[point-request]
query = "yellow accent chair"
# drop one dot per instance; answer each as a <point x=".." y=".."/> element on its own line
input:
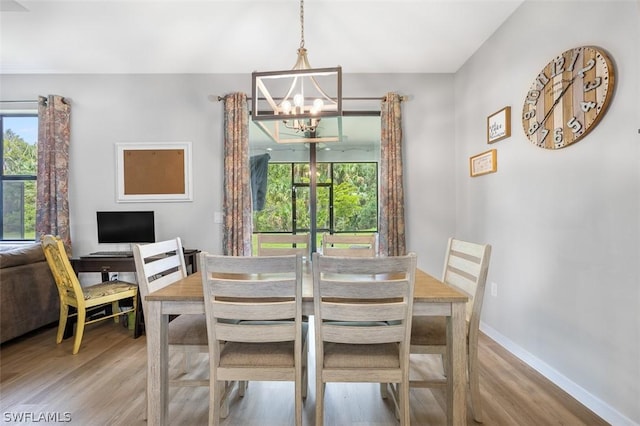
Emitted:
<point x="83" y="298"/>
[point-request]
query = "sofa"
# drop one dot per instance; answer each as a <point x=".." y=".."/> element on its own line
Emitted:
<point x="28" y="294"/>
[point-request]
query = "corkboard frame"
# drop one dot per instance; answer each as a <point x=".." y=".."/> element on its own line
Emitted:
<point x="153" y="172"/>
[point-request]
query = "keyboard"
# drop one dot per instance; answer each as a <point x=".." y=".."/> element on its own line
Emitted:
<point x="111" y="254"/>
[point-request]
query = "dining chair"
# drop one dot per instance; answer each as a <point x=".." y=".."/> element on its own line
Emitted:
<point x="108" y="294"/>
<point x="363" y="310"/>
<point x="158" y="265"/>
<point x="283" y="244"/>
<point x="253" y="307"/>
<point x="349" y="245"/>
<point x="465" y="268"/>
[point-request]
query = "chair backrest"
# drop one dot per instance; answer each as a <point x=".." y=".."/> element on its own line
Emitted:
<point x="465" y="267"/>
<point x="242" y="293"/>
<point x="349" y="245"/>
<point x="283" y="244"/>
<point x="364" y="300"/>
<point x="158" y="265"/>
<point x="65" y="277"/>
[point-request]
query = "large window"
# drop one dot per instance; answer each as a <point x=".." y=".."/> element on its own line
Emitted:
<point x="347" y="198"/>
<point x="19" y="169"/>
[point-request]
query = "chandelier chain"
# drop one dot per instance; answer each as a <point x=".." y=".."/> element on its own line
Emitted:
<point x="301" y="23"/>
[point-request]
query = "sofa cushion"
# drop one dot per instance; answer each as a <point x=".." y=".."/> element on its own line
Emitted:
<point x="30" y="253"/>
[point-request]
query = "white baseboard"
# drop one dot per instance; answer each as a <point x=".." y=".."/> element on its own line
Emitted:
<point x="601" y="408"/>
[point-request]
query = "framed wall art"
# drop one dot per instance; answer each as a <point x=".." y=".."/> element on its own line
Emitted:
<point x="153" y="172"/>
<point x="484" y="163"/>
<point x="499" y="125"/>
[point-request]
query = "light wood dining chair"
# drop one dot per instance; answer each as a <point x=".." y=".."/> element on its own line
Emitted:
<point x="349" y="245"/>
<point x="83" y="299"/>
<point x="363" y="310"/>
<point x="465" y="268"/>
<point x="253" y="307"/>
<point x="158" y="265"/>
<point x="283" y="244"/>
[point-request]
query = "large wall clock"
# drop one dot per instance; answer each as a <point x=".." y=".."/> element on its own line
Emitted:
<point x="568" y="97"/>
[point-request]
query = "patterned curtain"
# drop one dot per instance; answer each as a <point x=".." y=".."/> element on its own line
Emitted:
<point x="236" y="240"/>
<point x="52" y="204"/>
<point x="391" y="224"/>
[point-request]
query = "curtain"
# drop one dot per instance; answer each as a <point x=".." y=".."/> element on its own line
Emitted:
<point x="391" y="228"/>
<point x="237" y="211"/>
<point x="52" y="203"/>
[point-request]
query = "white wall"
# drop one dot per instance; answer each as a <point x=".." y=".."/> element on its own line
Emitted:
<point x="564" y="225"/>
<point x="107" y="109"/>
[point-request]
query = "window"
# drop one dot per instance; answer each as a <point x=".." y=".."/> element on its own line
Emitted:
<point x="347" y="198"/>
<point x="19" y="169"/>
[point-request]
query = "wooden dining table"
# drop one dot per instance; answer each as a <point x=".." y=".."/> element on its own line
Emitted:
<point x="184" y="297"/>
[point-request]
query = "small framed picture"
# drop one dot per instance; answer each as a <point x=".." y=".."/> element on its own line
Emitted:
<point x="499" y="125"/>
<point x="484" y="163"/>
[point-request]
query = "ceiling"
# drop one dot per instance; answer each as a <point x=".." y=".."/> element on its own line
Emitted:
<point x="242" y="36"/>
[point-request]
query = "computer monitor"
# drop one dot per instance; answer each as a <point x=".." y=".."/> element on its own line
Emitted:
<point x="126" y="227"/>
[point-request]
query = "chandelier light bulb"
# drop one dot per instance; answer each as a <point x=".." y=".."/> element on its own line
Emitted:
<point x="318" y="104"/>
<point x="298" y="100"/>
<point x="286" y="107"/>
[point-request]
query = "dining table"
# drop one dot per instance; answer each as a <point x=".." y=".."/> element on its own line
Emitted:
<point x="185" y="297"/>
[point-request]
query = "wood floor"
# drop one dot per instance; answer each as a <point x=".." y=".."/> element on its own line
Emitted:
<point x="105" y="384"/>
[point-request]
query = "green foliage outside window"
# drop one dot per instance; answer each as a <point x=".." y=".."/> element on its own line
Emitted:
<point x="355" y="198"/>
<point x="19" y="169"/>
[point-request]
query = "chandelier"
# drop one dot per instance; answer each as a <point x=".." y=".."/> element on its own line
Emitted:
<point x="309" y="108"/>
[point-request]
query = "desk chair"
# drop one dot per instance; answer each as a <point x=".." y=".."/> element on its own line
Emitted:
<point x="465" y="268"/>
<point x="253" y="307"/>
<point x="349" y="245"/>
<point x="83" y="298"/>
<point x="363" y="310"/>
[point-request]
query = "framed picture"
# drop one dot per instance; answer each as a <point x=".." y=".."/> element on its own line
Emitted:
<point x="484" y="163"/>
<point x="499" y="125"/>
<point x="153" y="172"/>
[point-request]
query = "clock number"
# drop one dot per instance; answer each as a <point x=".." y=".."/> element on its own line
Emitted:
<point x="590" y="85"/>
<point x="557" y="135"/>
<point x="590" y="65"/>
<point x="534" y="126"/>
<point x="541" y="80"/>
<point x="574" y="58"/>
<point x="532" y="97"/>
<point x="587" y="106"/>
<point x="558" y="66"/>
<point x="529" y="114"/>
<point x="574" y="124"/>
<point x="544" y="132"/>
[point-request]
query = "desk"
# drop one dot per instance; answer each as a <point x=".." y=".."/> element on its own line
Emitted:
<point x="431" y="298"/>
<point x="105" y="265"/>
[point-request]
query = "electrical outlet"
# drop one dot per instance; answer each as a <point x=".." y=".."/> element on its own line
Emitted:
<point x="114" y="276"/>
<point x="494" y="289"/>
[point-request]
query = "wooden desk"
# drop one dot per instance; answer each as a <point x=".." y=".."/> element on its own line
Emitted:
<point x="431" y="298"/>
<point x="106" y="265"/>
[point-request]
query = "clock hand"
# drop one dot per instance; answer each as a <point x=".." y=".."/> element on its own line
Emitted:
<point x="556" y="102"/>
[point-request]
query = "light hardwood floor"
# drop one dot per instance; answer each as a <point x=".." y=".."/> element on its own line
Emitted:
<point x="104" y="385"/>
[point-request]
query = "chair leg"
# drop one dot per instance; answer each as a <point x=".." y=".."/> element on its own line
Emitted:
<point x="62" y="322"/>
<point x="405" y="412"/>
<point x="82" y="314"/>
<point x="115" y="308"/>
<point x="320" y="388"/>
<point x="474" y="387"/>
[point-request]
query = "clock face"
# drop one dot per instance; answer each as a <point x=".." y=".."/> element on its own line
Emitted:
<point x="568" y="97"/>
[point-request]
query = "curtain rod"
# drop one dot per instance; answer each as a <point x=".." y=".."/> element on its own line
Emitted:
<point x="31" y="101"/>
<point x="219" y="98"/>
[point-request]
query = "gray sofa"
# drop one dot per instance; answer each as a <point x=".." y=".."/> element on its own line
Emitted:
<point x="28" y="294"/>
